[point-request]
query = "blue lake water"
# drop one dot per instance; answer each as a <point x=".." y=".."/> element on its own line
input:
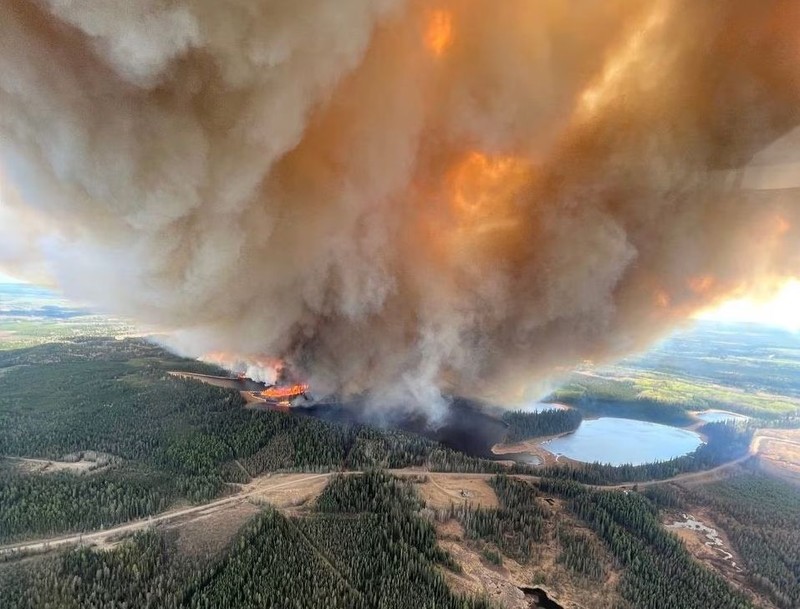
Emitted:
<point x="619" y="441"/>
<point x="715" y="416"/>
<point x="541" y="407"/>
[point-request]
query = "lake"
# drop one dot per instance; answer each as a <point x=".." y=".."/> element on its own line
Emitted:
<point x="540" y="407"/>
<point x="716" y="416"/>
<point x="620" y="441"/>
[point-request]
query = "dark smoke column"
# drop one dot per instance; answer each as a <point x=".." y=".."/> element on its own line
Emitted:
<point x="401" y="198"/>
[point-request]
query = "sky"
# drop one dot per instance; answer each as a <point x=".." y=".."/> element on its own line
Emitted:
<point x="782" y="310"/>
<point x="8" y="279"/>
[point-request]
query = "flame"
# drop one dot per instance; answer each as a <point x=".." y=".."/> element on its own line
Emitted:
<point x="482" y="188"/>
<point x="701" y="284"/>
<point x="286" y="393"/>
<point x="476" y="218"/>
<point x="439" y="32"/>
<point x="662" y="299"/>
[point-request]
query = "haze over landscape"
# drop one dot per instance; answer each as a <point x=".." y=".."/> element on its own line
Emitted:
<point x="399" y="304"/>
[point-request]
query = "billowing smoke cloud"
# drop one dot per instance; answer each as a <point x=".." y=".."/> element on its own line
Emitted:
<point x="402" y="197"/>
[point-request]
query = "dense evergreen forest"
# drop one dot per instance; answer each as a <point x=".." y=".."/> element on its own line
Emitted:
<point x="169" y="437"/>
<point x="726" y="442"/>
<point x="761" y="517"/>
<point x="193" y="441"/>
<point x="515" y="527"/>
<point x="365" y="547"/>
<point x="582" y="554"/>
<point x="659" y="573"/>
<point x="366" y="543"/>
<point x="64" y="502"/>
<point x="521" y="523"/>
<point x="525" y="425"/>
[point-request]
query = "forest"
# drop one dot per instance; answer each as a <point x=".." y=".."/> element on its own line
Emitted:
<point x="747" y="369"/>
<point x="366" y="538"/>
<point x="364" y="546"/>
<point x="193" y="441"/>
<point x="526" y="425"/>
<point x="515" y="527"/>
<point x="170" y="438"/>
<point x="658" y="573"/>
<point x="524" y="523"/>
<point x="600" y="396"/>
<point x="761" y="517"/>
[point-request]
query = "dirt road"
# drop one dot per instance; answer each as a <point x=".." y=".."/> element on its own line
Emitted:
<point x="259" y="486"/>
<point x="267" y="484"/>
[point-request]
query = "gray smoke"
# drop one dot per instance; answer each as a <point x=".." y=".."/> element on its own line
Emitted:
<point x="401" y="197"/>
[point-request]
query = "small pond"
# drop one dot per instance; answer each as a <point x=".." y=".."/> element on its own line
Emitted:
<point x="620" y="441"/>
<point x="715" y="416"/>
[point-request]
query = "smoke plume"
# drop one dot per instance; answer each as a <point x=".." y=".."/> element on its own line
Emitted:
<point x="402" y="197"/>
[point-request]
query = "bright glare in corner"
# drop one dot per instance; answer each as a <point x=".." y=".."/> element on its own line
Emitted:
<point x="783" y="310"/>
<point x="9" y="279"/>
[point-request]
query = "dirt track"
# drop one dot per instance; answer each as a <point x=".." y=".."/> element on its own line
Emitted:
<point x="258" y="487"/>
<point x="266" y="486"/>
<point x="263" y="487"/>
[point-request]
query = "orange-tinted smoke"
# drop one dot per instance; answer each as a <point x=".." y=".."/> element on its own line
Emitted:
<point x="400" y="197"/>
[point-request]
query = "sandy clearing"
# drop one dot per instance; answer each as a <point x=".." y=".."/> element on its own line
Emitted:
<point x="439" y="491"/>
<point x="46" y="466"/>
<point x="779" y="453"/>
<point x="532" y="447"/>
<point x="286" y="491"/>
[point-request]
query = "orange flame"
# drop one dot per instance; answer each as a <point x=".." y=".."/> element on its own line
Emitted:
<point x="782" y="226"/>
<point x="482" y="188"/>
<point x="439" y="32"/>
<point x="701" y="284"/>
<point x="284" y="393"/>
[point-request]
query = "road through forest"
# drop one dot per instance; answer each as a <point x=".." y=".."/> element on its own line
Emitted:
<point x="269" y="483"/>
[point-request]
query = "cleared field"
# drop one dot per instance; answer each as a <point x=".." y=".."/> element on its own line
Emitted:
<point x="208" y="534"/>
<point x="441" y="490"/>
<point x="45" y="466"/>
<point x="779" y="452"/>
<point x="215" y="381"/>
<point x="286" y="491"/>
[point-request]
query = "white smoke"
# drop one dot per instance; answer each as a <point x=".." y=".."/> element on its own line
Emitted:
<point x="400" y="197"/>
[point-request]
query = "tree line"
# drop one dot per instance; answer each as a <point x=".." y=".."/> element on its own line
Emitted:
<point x="365" y="546"/>
<point x="659" y="573"/>
<point x="171" y="437"/>
<point x="761" y="517"/>
<point x="526" y="425"/>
